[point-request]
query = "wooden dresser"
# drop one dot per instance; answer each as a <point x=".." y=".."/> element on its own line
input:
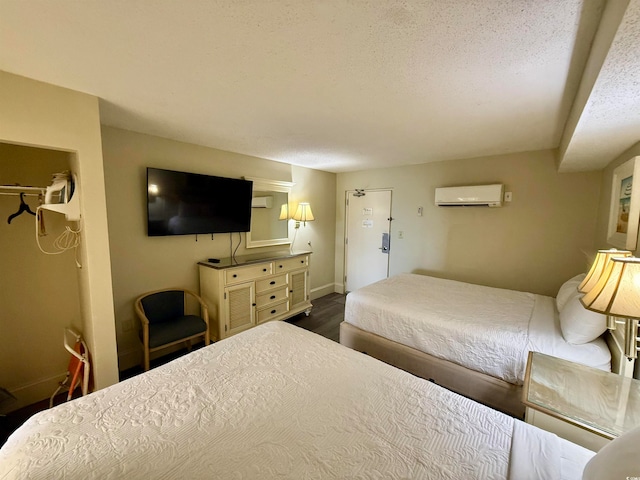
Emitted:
<point x="246" y="291"/>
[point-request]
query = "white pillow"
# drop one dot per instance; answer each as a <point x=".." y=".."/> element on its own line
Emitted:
<point x="578" y="324"/>
<point x="567" y="289"/>
<point x="618" y="459"/>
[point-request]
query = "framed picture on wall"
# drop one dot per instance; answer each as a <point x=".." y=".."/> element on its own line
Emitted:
<point x="625" y="205"/>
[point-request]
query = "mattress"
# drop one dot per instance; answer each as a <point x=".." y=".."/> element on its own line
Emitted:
<point x="277" y="401"/>
<point x="486" y="329"/>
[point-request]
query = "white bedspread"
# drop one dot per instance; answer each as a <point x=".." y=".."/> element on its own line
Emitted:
<point x="273" y="402"/>
<point x="490" y="330"/>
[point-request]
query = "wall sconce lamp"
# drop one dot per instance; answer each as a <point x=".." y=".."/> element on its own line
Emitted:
<point x="617" y="293"/>
<point x="284" y="212"/>
<point x="303" y="214"/>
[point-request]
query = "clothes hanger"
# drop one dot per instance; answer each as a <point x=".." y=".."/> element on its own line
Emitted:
<point x="23" y="208"/>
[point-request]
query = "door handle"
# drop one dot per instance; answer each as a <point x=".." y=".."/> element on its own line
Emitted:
<point x="386" y="243"/>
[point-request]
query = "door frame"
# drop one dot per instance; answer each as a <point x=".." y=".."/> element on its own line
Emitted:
<point x="346" y="227"/>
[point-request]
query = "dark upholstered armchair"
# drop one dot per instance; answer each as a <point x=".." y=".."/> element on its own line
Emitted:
<point x="165" y="321"/>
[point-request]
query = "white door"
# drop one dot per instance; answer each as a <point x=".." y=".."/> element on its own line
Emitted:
<point x="367" y="246"/>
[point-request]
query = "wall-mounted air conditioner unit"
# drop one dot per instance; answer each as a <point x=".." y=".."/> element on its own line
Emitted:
<point x="470" y="196"/>
<point x="262" y="202"/>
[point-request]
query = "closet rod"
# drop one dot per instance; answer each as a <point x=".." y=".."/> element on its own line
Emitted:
<point x="17" y="194"/>
<point x="17" y="188"/>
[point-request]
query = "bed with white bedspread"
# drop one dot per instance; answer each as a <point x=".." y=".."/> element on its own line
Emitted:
<point x="280" y="402"/>
<point x="481" y="329"/>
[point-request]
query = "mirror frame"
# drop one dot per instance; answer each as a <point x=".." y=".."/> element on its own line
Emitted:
<point x="264" y="185"/>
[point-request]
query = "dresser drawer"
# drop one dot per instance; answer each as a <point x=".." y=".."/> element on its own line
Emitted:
<point x="289" y="264"/>
<point x="252" y="272"/>
<point x="273" y="296"/>
<point x="273" y="311"/>
<point x="271" y="283"/>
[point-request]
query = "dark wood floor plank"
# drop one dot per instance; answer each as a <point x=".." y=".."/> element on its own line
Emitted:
<point x="325" y="318"/>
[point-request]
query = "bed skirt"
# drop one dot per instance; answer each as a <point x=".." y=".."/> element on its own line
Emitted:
<point x="483" y="388"/>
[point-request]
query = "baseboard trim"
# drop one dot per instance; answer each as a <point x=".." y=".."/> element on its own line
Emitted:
<point x="322" y="291"/>
<point x="129" y="358"/>
<point x="33" y="392"/>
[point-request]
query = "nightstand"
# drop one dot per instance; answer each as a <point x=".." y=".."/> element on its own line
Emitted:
<point x="582" y="404"/>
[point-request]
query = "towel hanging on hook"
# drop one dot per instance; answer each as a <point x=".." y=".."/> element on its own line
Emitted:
<point x="23" y="208"/>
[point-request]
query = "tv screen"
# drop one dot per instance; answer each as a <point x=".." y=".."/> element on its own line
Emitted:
<point x="180" y="203"/>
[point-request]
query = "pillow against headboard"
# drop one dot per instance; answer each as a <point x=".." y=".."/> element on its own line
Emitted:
<point x="617" y="460"/>
<point x="567" y="289"/>
<point x="578" y="324"/>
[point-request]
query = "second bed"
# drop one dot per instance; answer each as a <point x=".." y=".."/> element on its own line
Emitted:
<point x="469" y="338"/>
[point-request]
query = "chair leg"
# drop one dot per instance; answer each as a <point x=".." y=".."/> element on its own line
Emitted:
<point x="146" y="359"/>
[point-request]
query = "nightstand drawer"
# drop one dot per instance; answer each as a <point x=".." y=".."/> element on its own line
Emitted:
<point x="273" y="311"/>
<point x="242" y="274"/>
<point x="271" y="283"/>
<point x="274" y="296"/>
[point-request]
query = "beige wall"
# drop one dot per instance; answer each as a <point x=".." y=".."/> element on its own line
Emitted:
<point x="39" y="293"/>
<point x="605" y="199"/>
<point x="141" y="263"/>
<point x="534" y="243"/>
<point x="38" y="114"/>
<point x="318" y="188"/>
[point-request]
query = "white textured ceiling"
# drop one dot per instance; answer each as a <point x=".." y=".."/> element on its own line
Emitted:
<point x="341" y="85"/>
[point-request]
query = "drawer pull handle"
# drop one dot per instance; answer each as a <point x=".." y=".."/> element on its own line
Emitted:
<point x="235" y="275"/>
<point x="264" y="269"/>
<point x="272" y="297"/>
<point x="301" y="261"/>
<point x="273" y="311"/>
<point x="280" y="266"/>
<point x="253" y="304"/>
<point x="272" y="282"/>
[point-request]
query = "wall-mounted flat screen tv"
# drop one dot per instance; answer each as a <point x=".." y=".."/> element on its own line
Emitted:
<point x="181" y="203"/>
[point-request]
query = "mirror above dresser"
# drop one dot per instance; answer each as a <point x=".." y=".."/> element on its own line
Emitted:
<point x="269" y="213"/>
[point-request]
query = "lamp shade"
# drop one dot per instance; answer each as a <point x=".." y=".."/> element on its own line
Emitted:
<point x="617" y="292"/>
<point x="284" y="212"/>
<point x="303" y="213"/>
<point x="598" y="266"/>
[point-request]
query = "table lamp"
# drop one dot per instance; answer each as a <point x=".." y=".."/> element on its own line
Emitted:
<point x="595" y="272"/>
<point x="617" y="293"/>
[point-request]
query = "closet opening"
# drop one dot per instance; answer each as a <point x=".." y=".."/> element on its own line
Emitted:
<point x="39" y="292"/>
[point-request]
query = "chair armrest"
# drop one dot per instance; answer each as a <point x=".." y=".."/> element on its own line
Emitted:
<point x="203" y="306"/>
<point x="140" y="312"/>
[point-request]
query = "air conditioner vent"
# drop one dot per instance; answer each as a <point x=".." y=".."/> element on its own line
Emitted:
<point x="470" y="196"/>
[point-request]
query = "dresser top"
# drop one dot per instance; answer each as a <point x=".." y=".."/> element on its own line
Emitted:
<point x="231" y="262"/>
